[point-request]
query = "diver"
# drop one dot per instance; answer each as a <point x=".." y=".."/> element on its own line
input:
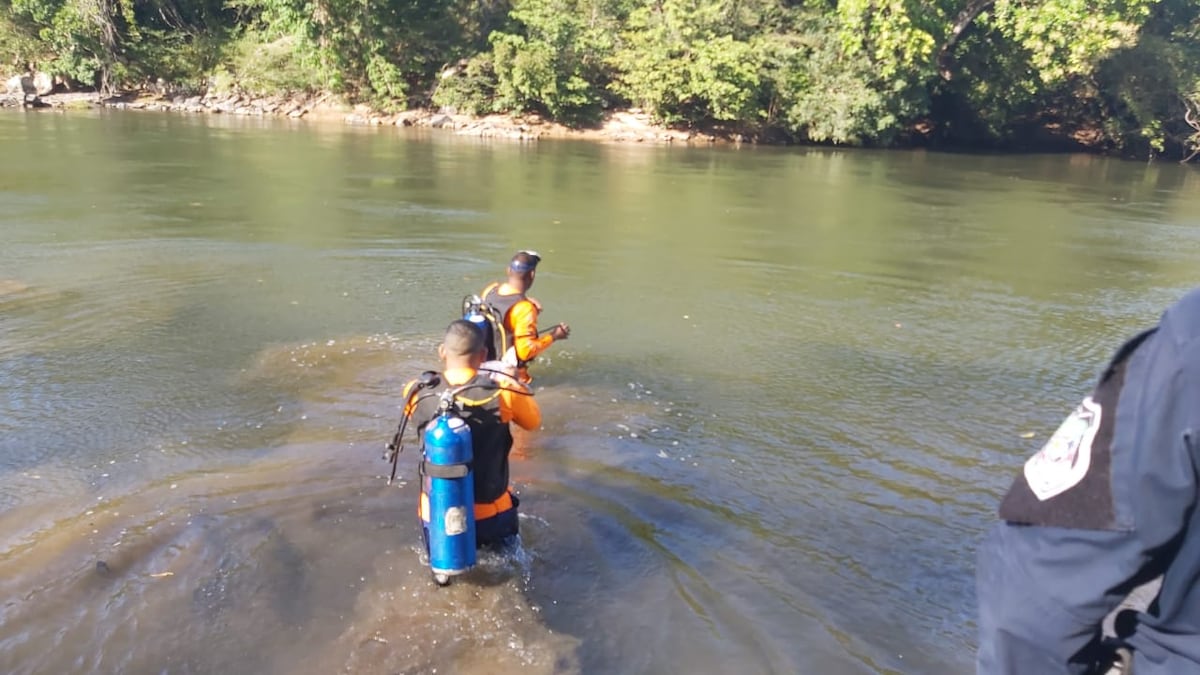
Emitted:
<point x="487" y="402"/>
<point x="518" y="314"/>
<point x="1106" y="506"/>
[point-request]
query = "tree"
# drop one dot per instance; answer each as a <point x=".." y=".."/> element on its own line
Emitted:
<point x="682" y="60"/>
<point x="553" y="57"/>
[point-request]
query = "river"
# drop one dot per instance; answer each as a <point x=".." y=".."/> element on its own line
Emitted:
<point x="797" y="384"/>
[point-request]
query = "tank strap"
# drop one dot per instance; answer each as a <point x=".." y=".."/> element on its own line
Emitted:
<point x="444" y="470"/>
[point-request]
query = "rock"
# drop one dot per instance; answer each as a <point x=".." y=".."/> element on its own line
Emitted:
<point x="21" y="84"/>
<point x="441" y="121"/>
<point x="407" y="118"/>
<point x="43" y="83"/>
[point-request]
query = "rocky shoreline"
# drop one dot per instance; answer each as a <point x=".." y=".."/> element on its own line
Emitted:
<point x="629" y="126"/>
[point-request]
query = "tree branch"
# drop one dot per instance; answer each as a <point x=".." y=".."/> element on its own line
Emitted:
<point x="962" y="22"/>
<point x="1189" y="107"/>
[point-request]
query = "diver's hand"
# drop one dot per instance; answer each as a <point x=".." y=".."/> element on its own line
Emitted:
<point x="560" y="332"/>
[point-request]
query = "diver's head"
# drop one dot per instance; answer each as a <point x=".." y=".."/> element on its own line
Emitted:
<point x="522" y="268"/>
<point x="463" y="346"/>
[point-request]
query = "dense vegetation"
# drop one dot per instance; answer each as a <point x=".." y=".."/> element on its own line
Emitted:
<point x="1118" y="74"/>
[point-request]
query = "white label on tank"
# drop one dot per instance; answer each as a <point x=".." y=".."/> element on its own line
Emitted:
<point x="456" y="520"/>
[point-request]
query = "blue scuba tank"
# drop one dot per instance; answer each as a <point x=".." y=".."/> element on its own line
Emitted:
<point x="475" y="311"/>
<point x="451" y="495"/>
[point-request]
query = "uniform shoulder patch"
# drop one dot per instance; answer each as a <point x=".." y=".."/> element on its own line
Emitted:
<point x="1064" y="460"/>
<point x="1068" y="483"/>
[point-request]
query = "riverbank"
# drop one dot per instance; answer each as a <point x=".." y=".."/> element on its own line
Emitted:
<point x="627" y="126"/>
<point x="617" y="126"/>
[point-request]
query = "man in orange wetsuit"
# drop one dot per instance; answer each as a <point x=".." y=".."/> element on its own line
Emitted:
<point x="487" y="405"/>
<point x="520" y="314"/>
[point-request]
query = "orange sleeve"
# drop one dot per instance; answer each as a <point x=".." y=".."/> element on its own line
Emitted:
<point x="519" y="408"/>
<point x="523" y="319"/>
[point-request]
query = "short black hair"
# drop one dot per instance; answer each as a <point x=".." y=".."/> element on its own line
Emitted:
<point x="463" y="338"/>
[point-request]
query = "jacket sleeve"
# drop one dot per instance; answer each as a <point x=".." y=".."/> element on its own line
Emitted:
<point x="523" y="316"/>
<point x="1043" y="590"/>
<point x="519" y="407"/>
<point x="1043" y="593"/>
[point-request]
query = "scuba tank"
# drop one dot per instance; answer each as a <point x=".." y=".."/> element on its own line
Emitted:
<point x="448" y="503"/>
<point x="447" y="506"/>
<point x="484" y="317"/>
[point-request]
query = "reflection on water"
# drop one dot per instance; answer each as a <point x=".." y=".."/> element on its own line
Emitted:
<point x="797" y="382"/>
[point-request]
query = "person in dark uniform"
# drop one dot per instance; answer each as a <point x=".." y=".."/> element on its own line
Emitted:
<point x="1108" y="504"/>
<point x="487" y="406"/>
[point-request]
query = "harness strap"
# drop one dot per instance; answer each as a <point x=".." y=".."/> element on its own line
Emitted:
<point x="495" y="508"/>
<point x="482" y="511"/>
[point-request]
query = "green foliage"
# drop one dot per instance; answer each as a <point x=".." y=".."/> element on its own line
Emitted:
<point x="386" y="81"/>
<point x="681" y="61"/>
<point x="848" y="72"/>
<point x="554" y="56"/>
<point x="468" y="88"/>
<point x="1067" y="38"/>
<point x="371" y="50"/>
<point x="19" y="42"/>
<point x="828" y="95"/>
<point x="262" y="65"/>
<point x="898" y="37"/>
<point x="1151" y="88"/>
<point x="176" y="57"/>
<point x="829" y="84"/>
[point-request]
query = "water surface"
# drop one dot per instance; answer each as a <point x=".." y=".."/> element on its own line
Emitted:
<point x="797" y="384"/>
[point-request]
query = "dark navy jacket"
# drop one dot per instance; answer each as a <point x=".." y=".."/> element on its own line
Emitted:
<point x="1106" y="505"/>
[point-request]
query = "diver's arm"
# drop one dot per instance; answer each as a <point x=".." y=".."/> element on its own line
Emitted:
<point x="528" y="343"/>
